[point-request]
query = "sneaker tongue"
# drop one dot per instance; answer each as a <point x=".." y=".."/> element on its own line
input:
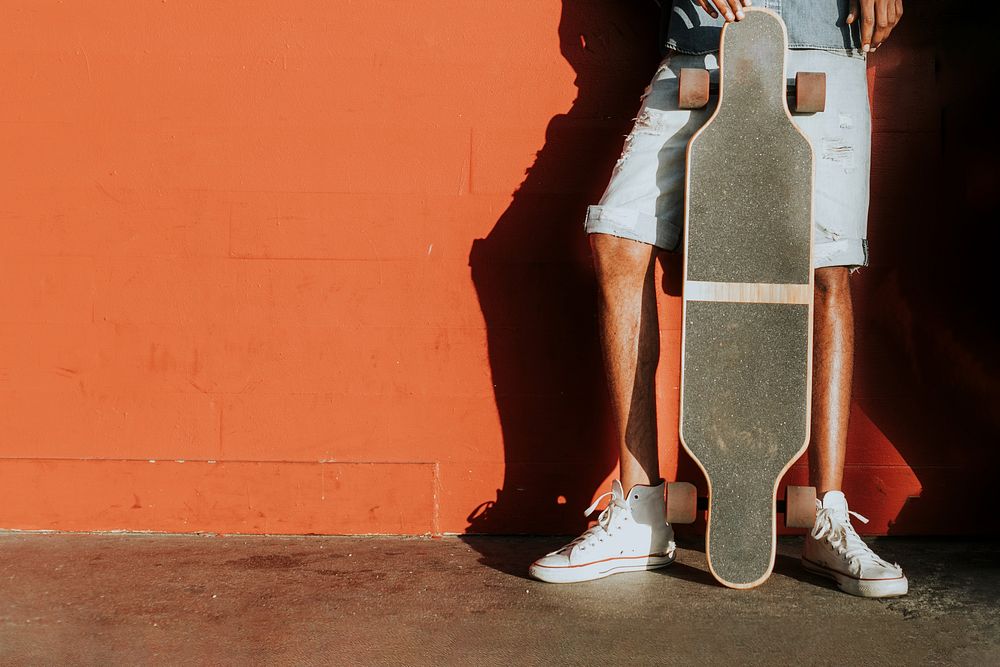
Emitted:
<point x="617" y="490"/>
<point x="835" y="500"/>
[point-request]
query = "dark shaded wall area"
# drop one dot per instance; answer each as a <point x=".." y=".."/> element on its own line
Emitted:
<point x="926" y="414"/>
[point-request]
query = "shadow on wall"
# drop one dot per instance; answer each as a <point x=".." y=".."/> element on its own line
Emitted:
<point x="536" y="288"/>
<point x="927" y="375"/>
<point x="930" y="359"/>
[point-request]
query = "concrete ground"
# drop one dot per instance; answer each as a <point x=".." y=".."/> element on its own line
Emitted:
<point x="73" y="599"/>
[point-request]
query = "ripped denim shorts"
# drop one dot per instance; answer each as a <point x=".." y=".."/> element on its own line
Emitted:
<point x="644" y="200"/>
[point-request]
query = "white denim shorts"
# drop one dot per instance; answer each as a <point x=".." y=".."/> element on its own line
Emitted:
<point x="644" y="200"/>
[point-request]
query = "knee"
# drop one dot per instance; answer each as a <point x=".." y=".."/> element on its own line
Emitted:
<point x="833" y="283"/>
<point x="618" y="260"/>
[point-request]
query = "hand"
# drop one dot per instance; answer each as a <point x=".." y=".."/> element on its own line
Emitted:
<point x="878" y="18"/>
<point x="731" y="9"/>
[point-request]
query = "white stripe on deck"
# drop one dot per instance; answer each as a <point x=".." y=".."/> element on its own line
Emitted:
<point x="704" y="290"/>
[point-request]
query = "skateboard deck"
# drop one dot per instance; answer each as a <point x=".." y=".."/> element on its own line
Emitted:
<point x="748" y="290"/>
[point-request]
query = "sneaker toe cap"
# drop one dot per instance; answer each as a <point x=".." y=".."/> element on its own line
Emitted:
<point x="556" y="559"/>
<point x="882" y="572"/>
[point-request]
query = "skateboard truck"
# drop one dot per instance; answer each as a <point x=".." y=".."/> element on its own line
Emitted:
<point x="806" y="93"/>
<point x="798" y="506"/>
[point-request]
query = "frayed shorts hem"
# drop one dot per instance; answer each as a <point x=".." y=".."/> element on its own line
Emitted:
<point x="628" y="223"/>
<point x="644" y="200"/>
<point x="852" y="253"/>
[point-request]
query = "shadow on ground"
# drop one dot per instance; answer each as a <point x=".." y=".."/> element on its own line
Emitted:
<point x="170" y="599"/>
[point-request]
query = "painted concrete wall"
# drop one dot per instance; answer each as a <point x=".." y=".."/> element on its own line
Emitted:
<point x="318" y="267"/>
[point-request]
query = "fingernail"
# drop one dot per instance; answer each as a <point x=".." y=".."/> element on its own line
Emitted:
<point x="866" y="48"/>
<point x="729" y="16"/>
<point x="747" y="3"/>
<point x="739" y="14"/>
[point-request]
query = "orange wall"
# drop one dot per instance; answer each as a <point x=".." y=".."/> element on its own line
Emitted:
<point x="311" y="266"/>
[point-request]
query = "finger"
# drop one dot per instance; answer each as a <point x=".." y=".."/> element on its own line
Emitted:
<point x="737" y="8"/>
<point x="879" y="39"/>
<point x="888" y="32"/>
<point x="881" y="22"/>
<point x="852" y="12"/>
<point x="867" y="23"/>
<point x="725" y="9"/>
<point x="895" y="14"/>
<point x="709" y="9"/>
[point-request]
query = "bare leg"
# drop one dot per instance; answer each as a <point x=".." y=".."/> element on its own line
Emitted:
<point x="630" y="338"/>
<point x="833" y="367"/>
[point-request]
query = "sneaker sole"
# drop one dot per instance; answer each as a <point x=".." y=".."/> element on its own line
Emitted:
<point x="598" y="570"/>
<point x="865" y="588"/>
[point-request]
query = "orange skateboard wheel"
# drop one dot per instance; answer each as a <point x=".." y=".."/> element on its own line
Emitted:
<point x="693" y="87"/>
<point x="800" y="506"/>
<point x="810" y="92"/>
<point x="682" y="502"/>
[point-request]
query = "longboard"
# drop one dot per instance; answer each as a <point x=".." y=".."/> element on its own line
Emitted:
<point x="748" y="299"/>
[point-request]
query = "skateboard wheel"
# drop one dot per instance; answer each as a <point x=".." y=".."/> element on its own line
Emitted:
<point x="800" y="506"/>
<point x="682" y="502"/>
<point x="810" y="92"/>
<point x="693" y="86"/>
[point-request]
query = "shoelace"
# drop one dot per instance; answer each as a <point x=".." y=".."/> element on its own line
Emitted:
<point x="592" y="535"/>
<point x="841" y="535"/>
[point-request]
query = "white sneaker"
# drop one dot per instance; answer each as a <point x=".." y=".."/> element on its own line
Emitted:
<point x="836" y="551"/>
<point x="631" y="534"/>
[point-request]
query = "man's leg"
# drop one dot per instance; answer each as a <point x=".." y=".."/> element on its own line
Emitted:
<point x="640" y="210"/>
<point x="834" y="549"/>
<point x="630" y="340"/>
<point x="833" y="367"/>
<point x="631" y="533"/>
